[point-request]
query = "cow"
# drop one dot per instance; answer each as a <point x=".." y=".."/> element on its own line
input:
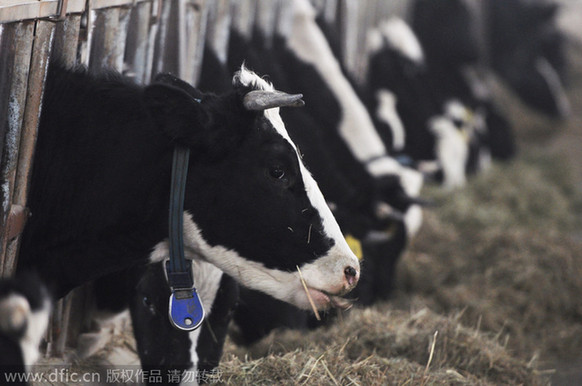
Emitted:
<point x="148" y="290"/>
<point x="517" y="40"/>
<point x="288" y="61"/>
<point x="440" y="126"/>
<point x="101" y="181"/>
<point x="25" y="306"/>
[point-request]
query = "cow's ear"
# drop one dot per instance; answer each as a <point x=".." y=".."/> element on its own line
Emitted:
<point x="176" y="112"/>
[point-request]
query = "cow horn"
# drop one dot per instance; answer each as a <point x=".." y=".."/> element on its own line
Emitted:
<point x="258" y="100"/>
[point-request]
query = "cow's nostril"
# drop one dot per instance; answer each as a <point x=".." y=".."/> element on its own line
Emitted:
<point x="351" y="274"/>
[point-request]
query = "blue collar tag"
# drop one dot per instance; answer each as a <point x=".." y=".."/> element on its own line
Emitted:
<point x="186" y="311"/>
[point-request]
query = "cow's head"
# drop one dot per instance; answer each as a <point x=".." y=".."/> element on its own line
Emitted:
<point x="526" y="52"/>
<point x="24" y="315"/>
<point x="253" y="210"/>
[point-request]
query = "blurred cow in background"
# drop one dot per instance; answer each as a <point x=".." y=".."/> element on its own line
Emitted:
<point x="518" y="40"/>
<point x="25" y="307"/>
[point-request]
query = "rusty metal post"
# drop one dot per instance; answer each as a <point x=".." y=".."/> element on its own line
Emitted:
<point x="40" y="56"/>
<point x="19" y="38"/>
<point x="329" y="11"/>
<point x="265" y="19"/>
<point x="348" y="22"/>
<point x="109" y="35"/>
<point x="67" y="40"/>
<point x="192" y="39"/>
<point x="165" y="51"/>
<point x="86" y="34"/>
<point x="245" y="16"/>
<point x="284" y="18"/>
<point x="136" y="50"/>
<point x="152" y="38"/>
<point x="217" y="34"/>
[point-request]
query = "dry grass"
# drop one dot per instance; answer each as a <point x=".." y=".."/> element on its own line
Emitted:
<point x="380" y="345"/>
<point x="513" y="263"/>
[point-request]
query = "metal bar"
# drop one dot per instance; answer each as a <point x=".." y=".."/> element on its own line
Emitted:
<point x="86" y="34"/>
<point x="22" y="40"/>
<point x="154" y="27"/>
<point x="61" y="13"/>
<point x="196" y="20"/>
<point x="136" y="48"/>
<point x="104" y="39"/>
<point x="183" y="39"/>
<point x="18" y="10"/>
<point x="11" y="10"/>
<point x="265" y="19"/>
<point x="364" y="21"/>
<point x="349" y="13"/>
<point x="284" y="19"/>
<point x="38" y="66"/>
<point x="245" y="16"/>
<point x="109" y="38"/>
<point x="9" y="108"/>
<point x="162" y="60"/>
<point x="66" y="40"/>
<point x="217" y="34"/>
<point x="330" y="11"/>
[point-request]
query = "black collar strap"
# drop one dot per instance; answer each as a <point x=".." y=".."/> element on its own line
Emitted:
<point x="186" y="311"/>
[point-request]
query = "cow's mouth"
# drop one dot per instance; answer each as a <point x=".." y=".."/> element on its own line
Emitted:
<point x="324" y="300"/>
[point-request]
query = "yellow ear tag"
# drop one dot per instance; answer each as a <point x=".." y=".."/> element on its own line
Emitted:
<point x="355" y="246"/>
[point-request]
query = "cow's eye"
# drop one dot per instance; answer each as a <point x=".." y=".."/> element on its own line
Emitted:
<point x="457" y="122"/>
<point x="277" y="172"/>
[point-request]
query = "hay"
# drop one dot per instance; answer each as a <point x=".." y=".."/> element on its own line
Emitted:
<point x="513" y="263"/>
<point x="379" y="345"/>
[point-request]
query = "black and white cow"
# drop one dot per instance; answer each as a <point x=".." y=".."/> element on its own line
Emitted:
<point x="101" y="180"/>
<point x="148" y="302"/>
<point x="440" y="126"/>
<point x="307" y="58"/>
<point x="329" y="105"/>
<point x="25" y="306"/>
<point x="518" y="40"/>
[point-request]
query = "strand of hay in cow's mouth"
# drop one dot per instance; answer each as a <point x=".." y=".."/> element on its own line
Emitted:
<point x="315" y="312"/>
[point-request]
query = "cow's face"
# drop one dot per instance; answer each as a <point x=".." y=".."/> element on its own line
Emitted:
<point x="253" y="209"/>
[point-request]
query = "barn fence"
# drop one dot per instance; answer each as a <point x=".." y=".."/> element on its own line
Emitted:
<point x="138" y="38"/>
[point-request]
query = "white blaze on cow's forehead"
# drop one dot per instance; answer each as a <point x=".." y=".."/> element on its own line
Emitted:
<point x="455" y="109"/>
<point x="410" y="179"/>
<point x="451" y="150"/>
<point x="401" y="38"/>
<point x="309" y="44"/>
<point x="325" y="273"/>
<point x="413" y="220"/>
<point x="330" y="226"/>
<point x="387" y="112"/>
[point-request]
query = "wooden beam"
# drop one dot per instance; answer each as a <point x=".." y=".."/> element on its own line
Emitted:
<point x="18" y="10"/>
